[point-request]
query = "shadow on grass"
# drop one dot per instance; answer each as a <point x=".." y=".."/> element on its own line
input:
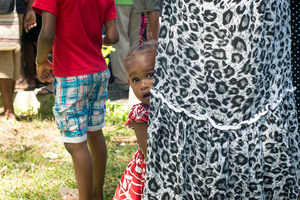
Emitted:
<point x="30" y="118"/>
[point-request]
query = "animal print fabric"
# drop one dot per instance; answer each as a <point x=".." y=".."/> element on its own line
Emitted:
<point x="222" y="121"/>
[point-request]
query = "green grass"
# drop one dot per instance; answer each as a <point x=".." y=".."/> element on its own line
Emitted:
<point x="27" y="168"/>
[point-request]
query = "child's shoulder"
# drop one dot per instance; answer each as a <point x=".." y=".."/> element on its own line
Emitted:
<point x="138" y="113"/>
<point x="139" y="110"/>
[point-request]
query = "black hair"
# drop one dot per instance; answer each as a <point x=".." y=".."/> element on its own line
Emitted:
<point x="141" y="49"/>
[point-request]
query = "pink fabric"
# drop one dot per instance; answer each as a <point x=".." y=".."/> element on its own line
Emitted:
<point x="78" y="34"/>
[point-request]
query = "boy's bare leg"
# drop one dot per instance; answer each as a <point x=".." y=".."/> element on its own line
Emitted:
<point x="83" y="167"/>
<point x="97" y="146"/>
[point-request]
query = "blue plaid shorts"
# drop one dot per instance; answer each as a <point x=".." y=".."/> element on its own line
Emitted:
<point x="80" y="105"/>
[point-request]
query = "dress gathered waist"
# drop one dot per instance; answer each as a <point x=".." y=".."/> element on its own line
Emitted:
<point x="256" y="117"/>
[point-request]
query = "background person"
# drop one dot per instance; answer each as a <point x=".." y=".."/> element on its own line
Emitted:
<point x="74" y="29"/>
<point x="11" y="25"/>
<point x="128" y="23"/>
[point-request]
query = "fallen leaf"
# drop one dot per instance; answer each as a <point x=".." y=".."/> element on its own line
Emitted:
<point x="111" y="178"/>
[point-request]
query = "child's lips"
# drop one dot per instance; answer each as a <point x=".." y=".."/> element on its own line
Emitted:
<point x="146" y="95"/>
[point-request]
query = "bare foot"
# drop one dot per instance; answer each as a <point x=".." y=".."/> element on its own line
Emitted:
<point x="7" y="117"/>
<point x="70" y="198"/>
<point x="68" y="193"/>
<point x="21" y="84"/>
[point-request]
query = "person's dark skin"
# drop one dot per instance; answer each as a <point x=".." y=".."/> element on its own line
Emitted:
<point x="29" y="18"/>
<point x="7" y="86"/>
<point x="29" y="47"/>
<point x="44" y="46"/>
<point x="89" y="157"/>
<point x="29" y="22"/>
<point x="153" y="18"/>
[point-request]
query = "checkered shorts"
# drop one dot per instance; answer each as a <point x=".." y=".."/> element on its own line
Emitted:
<point x="80" y="105"/>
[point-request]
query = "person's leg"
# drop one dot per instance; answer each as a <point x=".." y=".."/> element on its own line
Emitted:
<point x="122" y="46"/>
<point x="97" y="146"/>
<point x="76" y="132"/>
<point x="95" y="137"/>
<point x="83" y="167"/>
<point x="7" y="90"/>
<point x="89" y="165"/>
<point x="9" y="72"/>
<point x="29" y="58"/>
<point x="134" y="27"/>
<point x="21" y="82"/>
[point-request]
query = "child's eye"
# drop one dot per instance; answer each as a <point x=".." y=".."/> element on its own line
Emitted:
<point x="135" y="80"/>
<point x="150" y="75"/>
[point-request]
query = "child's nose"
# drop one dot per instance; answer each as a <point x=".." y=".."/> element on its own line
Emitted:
<point x="145" y="84"/>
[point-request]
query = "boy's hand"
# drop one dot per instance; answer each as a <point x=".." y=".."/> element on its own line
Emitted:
<point x="43" y="72"/>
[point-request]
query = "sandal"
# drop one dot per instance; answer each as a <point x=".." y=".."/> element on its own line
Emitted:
<point x="43" y="90"/>
<point x="69" y="193"/>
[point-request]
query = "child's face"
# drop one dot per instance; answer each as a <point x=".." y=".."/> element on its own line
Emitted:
<point x="140" y="76"/>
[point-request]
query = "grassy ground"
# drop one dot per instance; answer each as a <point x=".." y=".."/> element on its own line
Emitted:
<point x="34" y="163"/>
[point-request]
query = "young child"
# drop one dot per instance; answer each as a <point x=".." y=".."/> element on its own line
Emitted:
<point x="139" y="66"/>
<point x="74" y="28"/>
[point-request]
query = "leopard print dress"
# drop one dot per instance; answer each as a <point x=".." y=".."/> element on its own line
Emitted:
<point x="222" y="121"/>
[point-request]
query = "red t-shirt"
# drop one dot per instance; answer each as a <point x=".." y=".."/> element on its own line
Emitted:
<point x="78" y="34"/>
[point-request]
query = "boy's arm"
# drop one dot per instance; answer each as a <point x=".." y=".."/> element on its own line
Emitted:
<point x="112" y="34"/>
<point x="46" y="37"/>
<point x="44" y="47"/>
<point x="30" y="18"/>
<point x="140" y="130"/>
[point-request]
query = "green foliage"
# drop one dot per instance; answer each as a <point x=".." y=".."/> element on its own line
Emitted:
<point x="115" y="118"/>
<point x="116" y="114"/>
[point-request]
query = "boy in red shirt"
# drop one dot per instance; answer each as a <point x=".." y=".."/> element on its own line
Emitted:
<point x="74" y="29"/>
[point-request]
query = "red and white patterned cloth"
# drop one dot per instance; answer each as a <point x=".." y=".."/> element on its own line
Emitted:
<point x="139" y="113"/>
<point x="132" y="183"/>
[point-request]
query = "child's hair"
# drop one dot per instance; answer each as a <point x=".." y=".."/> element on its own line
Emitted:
<point x="143" y="48"/>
